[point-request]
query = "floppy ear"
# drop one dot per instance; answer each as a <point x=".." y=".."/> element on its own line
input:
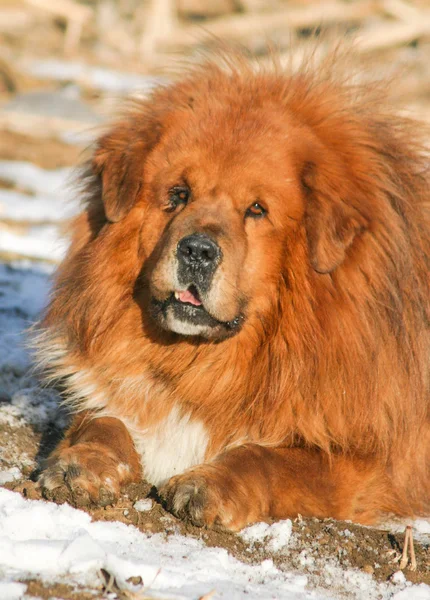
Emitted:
<point x="119" y="184"/>
<point x="331" y="222"/>
<point x="118" y="161"/>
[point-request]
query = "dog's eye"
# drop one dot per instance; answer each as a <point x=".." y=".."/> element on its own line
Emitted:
<point x="256" y="211"/>
<point x="177" y="196"/>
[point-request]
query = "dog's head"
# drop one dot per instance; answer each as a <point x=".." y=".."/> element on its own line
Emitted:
<point x="234" y="179"/>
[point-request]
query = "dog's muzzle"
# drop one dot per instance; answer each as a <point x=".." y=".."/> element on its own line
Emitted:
<point x="198" y="257"/>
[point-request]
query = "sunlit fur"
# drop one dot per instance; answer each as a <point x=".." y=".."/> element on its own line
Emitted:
<point x="334" y="351"/>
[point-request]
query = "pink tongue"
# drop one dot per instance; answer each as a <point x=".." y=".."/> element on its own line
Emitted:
<point x="189" y="297"/>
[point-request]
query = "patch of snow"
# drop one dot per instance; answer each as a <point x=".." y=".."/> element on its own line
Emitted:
<point x="64" y="104"/>
<point x="35" y="179"/>
<point x="306" y="560"/>
<point x="143" y="505"/>
<point x="420" y="527"/>
<point x="346" y="533"/>
<point x="106" y="80"/>
<point x="398" y="577"/>
<point x="11" y="590"/>
<point x="44" y="539"/>
<point x="45" y="196"/>
<point x="275" y="536"/>
<point x="23" y="294"/>
<point x="416" y="592"/>
<point x="24" y="291"/>
<point x="12" y="474"/>
<point x="41" y="242"/>
<point x="33" y="405"/>
<point x="46" y="199"/>
<point x="16" y="206"/>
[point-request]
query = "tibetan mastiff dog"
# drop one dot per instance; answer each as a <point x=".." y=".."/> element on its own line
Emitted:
<point x="242" y="317"/>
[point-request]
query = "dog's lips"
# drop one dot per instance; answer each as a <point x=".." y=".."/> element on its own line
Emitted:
<point x="186" y="306"/>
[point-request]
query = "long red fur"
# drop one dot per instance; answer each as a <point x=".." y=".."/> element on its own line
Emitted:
<point x="335" y="362"/>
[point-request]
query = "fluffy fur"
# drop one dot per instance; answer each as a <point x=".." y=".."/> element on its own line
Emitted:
<point x="312" y="394"/>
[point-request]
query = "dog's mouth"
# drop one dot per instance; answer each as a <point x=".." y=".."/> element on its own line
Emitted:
<point x="184" y="312"/>
<point x="190" y="296"/>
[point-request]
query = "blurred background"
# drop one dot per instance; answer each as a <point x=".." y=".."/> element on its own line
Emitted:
<point x="65" y="65"/>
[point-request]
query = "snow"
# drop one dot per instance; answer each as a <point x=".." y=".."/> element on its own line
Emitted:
<point x="61" y="544"/>
<point x="106" y="80"/>
<point x="42" y="242"/>
<point x="52" y="541"/>
<point x="23" y="293"/>
<point x="35" y="179"/>
<point x="22" y="207"/>
<point x="417" y="592"/>
<point x="143" y="505"/>
<point x="398" y="577"/>
<point x="46" y="196"/>
<point x="12" y="591"/>
<point x="275" y="536"/>
<point x="421" y="527"/>
<point x="12" y="474"/>
<point x="47" y="200"/>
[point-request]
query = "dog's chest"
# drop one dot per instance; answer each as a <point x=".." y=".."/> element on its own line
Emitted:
<point x="173" y="446"/>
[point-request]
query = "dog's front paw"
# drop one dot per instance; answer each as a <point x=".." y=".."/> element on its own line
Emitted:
<point x="207" y="497"/>
<point x="187" y="497"/>
<point x="83" y="475"/>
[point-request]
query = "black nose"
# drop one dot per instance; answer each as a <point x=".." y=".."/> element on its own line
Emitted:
<point x="199" y="251"/>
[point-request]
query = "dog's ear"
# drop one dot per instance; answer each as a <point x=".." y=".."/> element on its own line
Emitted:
<point x="331" y="220"/>
<point x="118" y="161"/>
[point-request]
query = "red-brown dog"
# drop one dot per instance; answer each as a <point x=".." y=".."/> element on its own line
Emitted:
<point x="243" y="314"/>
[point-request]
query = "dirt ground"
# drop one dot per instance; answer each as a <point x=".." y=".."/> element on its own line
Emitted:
<point x="316" y="542"/>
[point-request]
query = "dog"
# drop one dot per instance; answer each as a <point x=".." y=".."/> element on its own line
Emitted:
<point x="242" y="317"/>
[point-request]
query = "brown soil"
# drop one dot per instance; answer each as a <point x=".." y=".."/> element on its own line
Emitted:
<point x="63" y="591"/>
<point x="314" y="543"/>
<point x="107" y="585"/>
<point x="18" y="447"/>
<point x="59" y="590"/>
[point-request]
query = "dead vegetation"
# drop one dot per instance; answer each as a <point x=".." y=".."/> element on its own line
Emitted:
<point x="139" y="37"/>
<point x="142" y="36"/>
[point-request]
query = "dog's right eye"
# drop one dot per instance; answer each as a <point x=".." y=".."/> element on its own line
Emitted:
<point x="177" y="196"/>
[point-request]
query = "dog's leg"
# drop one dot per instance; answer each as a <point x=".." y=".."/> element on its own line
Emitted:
<point x="251" y="482"/>
<point x="96" y="457"/>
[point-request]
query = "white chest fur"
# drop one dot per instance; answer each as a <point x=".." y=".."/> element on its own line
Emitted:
<point x="174" y="445"/>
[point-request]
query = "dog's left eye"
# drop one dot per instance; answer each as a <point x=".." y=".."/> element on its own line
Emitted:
<point x="177" y="196"/>
<point x="256" y="211"/>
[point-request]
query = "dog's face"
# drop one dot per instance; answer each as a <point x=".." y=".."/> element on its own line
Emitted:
<point x="224" y="202"/>
<point x="221" y="188"/>
<point x="221" y="195"/>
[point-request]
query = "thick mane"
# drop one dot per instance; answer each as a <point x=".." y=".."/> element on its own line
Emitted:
<point x="341" y="359"/>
